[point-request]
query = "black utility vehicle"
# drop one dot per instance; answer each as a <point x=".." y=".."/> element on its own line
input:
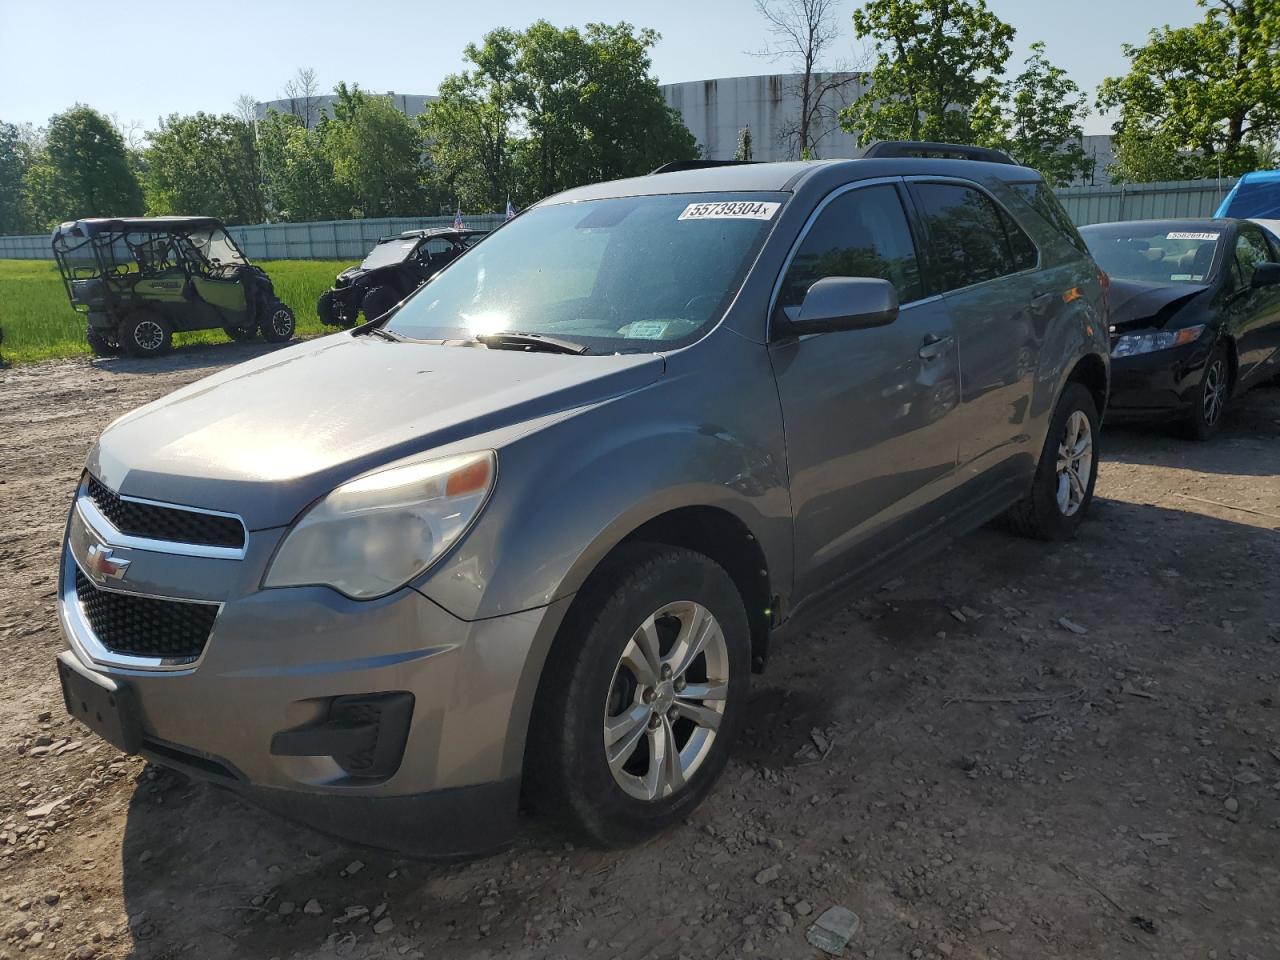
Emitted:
<point x="395" y="268"/>
<point x="139" y="279"/>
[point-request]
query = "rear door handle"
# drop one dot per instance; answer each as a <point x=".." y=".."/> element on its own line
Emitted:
<point x="933" y="346"/>
<point x="1041" y="301"/>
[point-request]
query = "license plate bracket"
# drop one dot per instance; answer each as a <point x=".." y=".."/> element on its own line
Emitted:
<point x="104" y="704"/>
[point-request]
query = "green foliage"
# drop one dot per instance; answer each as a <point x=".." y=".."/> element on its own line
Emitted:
<point x="297" y="172"/>
<point x="39" y="323"/>
<point x="376" y="153"/>
<point x="936" y="62"/>
<point x="1038" y="118"/>
<point x="205" y="165"/>
<point x="15" y="217"/>
<point x="83" y="171"/>
<point x="744" y="145"/>
<point x="546" y="109"/>
<point x="1199" y="100"/>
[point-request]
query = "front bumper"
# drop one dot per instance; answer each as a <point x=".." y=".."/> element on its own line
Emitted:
<point x="1158" y="385"/>
<point x="275" y="663"/>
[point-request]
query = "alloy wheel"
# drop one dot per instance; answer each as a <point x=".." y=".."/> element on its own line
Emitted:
<point x="148" y="335"/>
<point x="281" y="322"/>
<point x="1215" y="390"/>
<point x="1075" y="463"/>
<point x="666" y="700"/>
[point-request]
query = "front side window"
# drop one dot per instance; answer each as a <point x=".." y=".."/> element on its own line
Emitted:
<point x="967" y="235"/>
<point x="624" y="274"/>
<point x="1251" y="250"/>
<point x="862" y="233"/>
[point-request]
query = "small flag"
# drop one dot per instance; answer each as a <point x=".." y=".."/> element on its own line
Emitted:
<point x="457" y="220"/>
<point x="511" y="211"/>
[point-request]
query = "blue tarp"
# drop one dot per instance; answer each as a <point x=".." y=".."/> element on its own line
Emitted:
<point x="1256" y="195"/>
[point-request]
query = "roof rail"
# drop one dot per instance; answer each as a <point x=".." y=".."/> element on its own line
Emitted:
<point x="925" y="148"/>
<point x="675" y="166"/>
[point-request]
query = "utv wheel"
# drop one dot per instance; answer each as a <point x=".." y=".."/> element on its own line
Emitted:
<point x="1063" y="485"/>
<point x="240" y="334"/>
<point x="378" y="301"/>
<point x="102" y="345"/>
<point x="146" y="335"/>
<point x="1209" y="404"/>
<point x="332" y="311"/>
<point x="642" y="697"/>
<point x="278" y="325"/>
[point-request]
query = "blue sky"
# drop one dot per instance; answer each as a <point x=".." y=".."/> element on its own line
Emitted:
<point x="141" y="59"/>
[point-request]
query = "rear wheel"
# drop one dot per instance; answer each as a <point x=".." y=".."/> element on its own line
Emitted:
<point x="1209" y="404"/>
<point x="1062" y="488"/>
<point x="102" y="344"/>
<point x="638" y="710"/>
<point x="146" y="335"/>
<point x="278" y="325"/>
<point x="378" y="301"/>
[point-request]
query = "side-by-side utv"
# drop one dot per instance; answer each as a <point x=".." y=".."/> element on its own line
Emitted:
<point x="139" y="279"/>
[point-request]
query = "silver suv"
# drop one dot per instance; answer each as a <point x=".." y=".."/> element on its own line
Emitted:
<point x="532" y="532"/>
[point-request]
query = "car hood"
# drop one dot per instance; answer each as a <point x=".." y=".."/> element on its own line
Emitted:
<point x="265" y="438"/>
<point x="1140" y="304"/>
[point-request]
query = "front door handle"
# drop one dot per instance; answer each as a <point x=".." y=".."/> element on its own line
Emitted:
<point x="1041" y="301"/>
<point x="933" y="346"/>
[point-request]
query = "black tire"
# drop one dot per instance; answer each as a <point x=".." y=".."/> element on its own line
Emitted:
<point x="1040" y="514"/>
<point x="278" y="324"/>
<point x="1209" y="403"/>
<point x="377" y="301"/>
<point x="146" y="334"/>
<point x="240" y="334"/>
<point x="567" y="774"/>
<point x="102" y="345"/>
<point x="330" y="311"/>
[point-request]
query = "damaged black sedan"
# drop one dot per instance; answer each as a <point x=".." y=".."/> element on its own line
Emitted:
<point x="1195" y="316"/>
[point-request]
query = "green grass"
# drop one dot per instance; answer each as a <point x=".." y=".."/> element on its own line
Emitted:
<point x="39" y="324"/>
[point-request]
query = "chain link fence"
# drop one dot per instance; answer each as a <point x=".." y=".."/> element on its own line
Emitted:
<point x="352" y="239"/>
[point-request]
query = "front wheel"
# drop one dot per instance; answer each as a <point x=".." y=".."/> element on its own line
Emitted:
<point x="146" y="335"/>
<point x="1062" y="488"/>
<point x="1209" y="400"/>
<point x="278" y="325"/>
<point x="642" y="697"/>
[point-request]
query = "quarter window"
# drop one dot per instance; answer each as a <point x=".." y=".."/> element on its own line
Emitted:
<point x="862" y="233"/>
<point x="970" y="237"/>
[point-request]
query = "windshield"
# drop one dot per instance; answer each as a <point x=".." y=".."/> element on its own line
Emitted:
<point x="627" y="274"/>
<point x="215" y="246"/>
<point x="387" y="252"/>
<point x="1154" y="252"/>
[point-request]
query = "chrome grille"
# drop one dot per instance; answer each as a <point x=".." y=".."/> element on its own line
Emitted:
<point x="165" y="523"/>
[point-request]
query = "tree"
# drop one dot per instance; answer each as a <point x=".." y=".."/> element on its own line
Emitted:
<point x="545" y="109"/>
<point x="744" y="145"/>
<point x="1209" y="92"/>
<point x="937" y="61"/>
<point x="246" y="109"/>
<point x="297" y="173"/>
<point x="83" y="171"/>
<point x="800" y="32"/>
<point x="377" y="155"/>
<point x="204" y="164"/>
<point x="14" y="160"/>
<point x="1038" y="117"/>
<point x="303" y="94"/>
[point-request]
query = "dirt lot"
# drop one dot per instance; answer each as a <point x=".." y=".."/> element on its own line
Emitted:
<point x="944" y="758"/>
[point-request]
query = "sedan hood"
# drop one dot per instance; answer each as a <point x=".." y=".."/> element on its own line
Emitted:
<point x="265" y="438"/>
<point x="1139" y="304"/>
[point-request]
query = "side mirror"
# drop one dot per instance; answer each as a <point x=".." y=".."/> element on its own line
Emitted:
<point x="842" y="303"/>
<point x="1266" y="275"/>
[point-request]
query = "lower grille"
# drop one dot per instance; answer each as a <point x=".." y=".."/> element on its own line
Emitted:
<point x="145" y="626"/>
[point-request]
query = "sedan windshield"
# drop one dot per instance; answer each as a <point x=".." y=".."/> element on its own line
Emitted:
<point x="1154" y="252"/>
<point x="387" y="252"/>
<point x="619" y="275"/>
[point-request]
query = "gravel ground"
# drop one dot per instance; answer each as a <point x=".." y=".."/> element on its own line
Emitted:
<point x="1019" y="751"/>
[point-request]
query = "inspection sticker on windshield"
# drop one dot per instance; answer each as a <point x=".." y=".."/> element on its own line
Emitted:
<point x="731" y="210"/>
<point x="1184" y="235"/>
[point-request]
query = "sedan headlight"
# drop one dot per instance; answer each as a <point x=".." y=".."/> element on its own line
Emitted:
<point x="373" y="535"/>
<point x="1132" y="344"/>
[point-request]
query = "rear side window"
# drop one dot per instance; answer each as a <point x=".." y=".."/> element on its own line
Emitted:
<point x="862" y="233"/>
<point x="967" y="235"/>
<point x="1043" y="202"/>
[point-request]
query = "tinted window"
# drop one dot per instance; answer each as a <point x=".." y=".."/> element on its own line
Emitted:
<point x="1043" y="202"/>
<point x="1155" y="251"/>
<point x="966" y="235"/>
<point x="1022" y="247"/>
<point x="1251" y="250"/>
<point x="862" y="233"/>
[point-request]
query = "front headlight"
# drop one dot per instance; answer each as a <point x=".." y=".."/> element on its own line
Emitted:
<point x="373" y="535"/>
<point x="1132" y="344"/>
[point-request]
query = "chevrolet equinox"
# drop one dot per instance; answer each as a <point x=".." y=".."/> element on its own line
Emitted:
<point x="530" y="533"/>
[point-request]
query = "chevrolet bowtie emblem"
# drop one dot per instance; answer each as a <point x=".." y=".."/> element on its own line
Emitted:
<point x="102" y="566"/>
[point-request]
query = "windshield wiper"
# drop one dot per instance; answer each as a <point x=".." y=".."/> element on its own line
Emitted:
<point x="511" y="340"/>
<point x="386" y="334"/>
